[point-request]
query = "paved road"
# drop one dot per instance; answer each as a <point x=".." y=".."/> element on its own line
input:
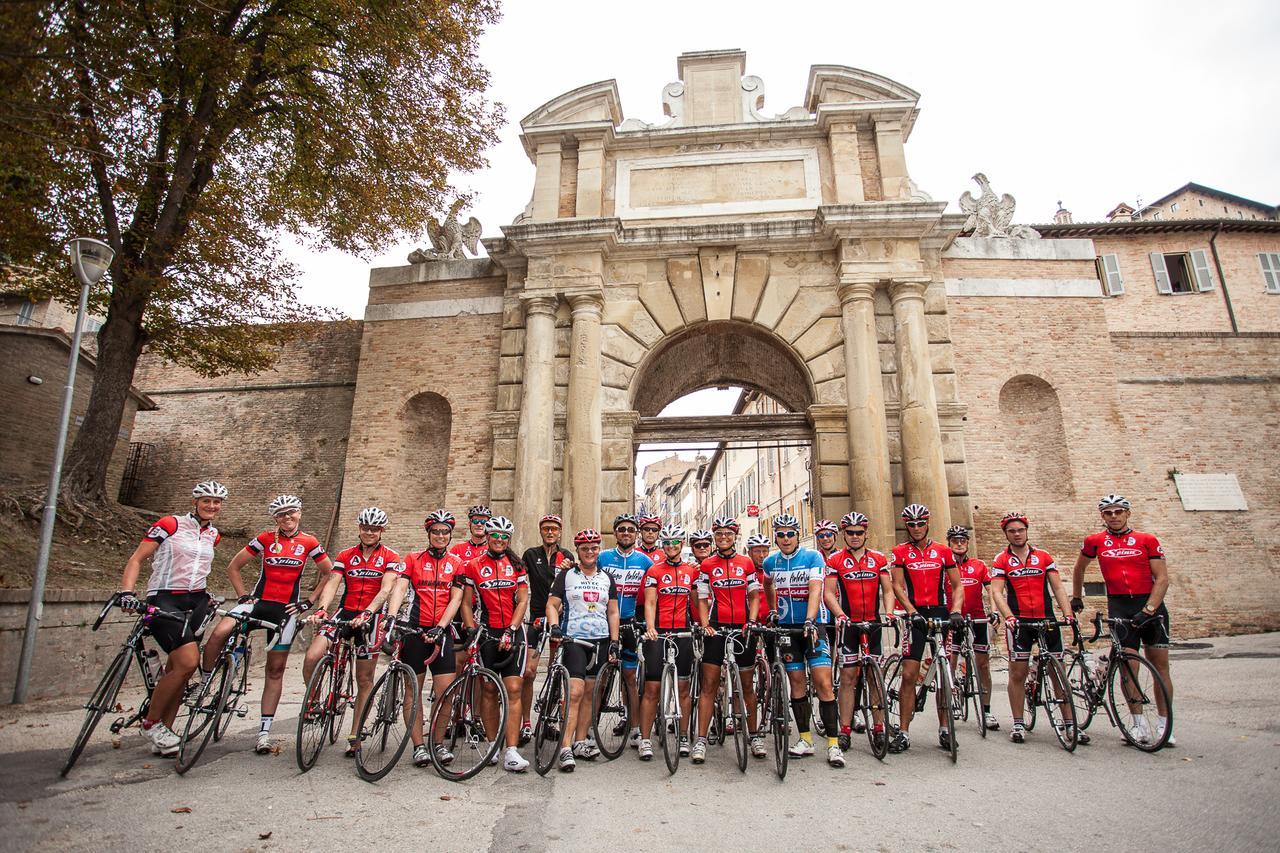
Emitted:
<point x="1218" y="789"/>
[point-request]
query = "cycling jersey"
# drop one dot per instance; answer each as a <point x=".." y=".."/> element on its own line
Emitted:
<point x="674" y="592"/>
<point x="727" y="582"/>
<point x="791" y="575"/>
<point x="858" y="581"/>
<point x="542" y="574"/>
<point x="973" y="577"/>
<point x="627" y="571"/>
<point x="496" y="584"/>
<point x="283" y="559"/>
<point x="1027" y="588"/>
<point x="925" y="568"/>
<point x="586" y="600"/>
<point x="184" y="553"/>
<point x="468" y="551"/>
<point x="1125" y="560"/>
<point x="362" y="576"/>
<point x="432" y="578"/>
<point x="655" y="554"/>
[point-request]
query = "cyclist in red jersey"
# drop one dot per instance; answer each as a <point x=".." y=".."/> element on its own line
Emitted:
<point x="181" y="552"/>
<point x="430" y="577"/>
<point x="1136" y="576"/>
<point x="668" y="595"/>
<point x="367" y="572"/>
<point x="284" y="553"/>
<point x="824" y="535"/>
<point x="975" y="578"/>
<point x="497" y="581"/>
<point x="477" y="540"/>
<point x="544" y="563"/>
<point x="728" y="598"/>
<point x="650" y="527"/>
<point x="1024" y="582"/>
<point x="922" y="569"/>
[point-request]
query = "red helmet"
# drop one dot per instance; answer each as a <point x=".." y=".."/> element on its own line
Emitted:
<point x="584" y="537"/>
<point x="1011" y="517"/>
<point x="915" y="512"/>
<point x="642" y="520"/>
<point x="551" y="518"/>
<point x="825" y="526"/>
<point x="440" y="516"/>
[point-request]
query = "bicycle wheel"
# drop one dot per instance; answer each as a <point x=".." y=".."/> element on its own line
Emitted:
<point x="944" y="702"/>
<point x="610" y="711"/>
<point x="342" y="695"/>
<point x="739" y="707"/>
<point x="313" y="718"/>
<point x="695" y="694"/>
<point x="778" y="719"/>
<point x="239" y="680"/>
<point x="208" y="705"/>
<point x="1031" y="700"/>
<point x="385" y="723"/>
<point x="891" y="672"/>
<point x="1136" y="690"/>
<point x="874" y="702"/>
<point x="973" y="692"/>
<point x="669" y="717"/>
<point x="1083" y="689"/>
<point x="100" y="702"/>
<point x="551" y="720"/>
<point x="458" y="716"/>
<point x="1056" y="692"/>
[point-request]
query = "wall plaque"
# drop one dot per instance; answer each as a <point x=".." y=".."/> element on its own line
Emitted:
<point x="1210" y="492"/>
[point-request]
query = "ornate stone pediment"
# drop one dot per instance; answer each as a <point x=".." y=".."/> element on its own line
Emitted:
<point x="594" y="102"/>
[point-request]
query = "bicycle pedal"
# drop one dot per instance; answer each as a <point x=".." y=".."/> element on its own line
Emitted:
<point x="241" y="712"/>
<point x="117" y="726"/>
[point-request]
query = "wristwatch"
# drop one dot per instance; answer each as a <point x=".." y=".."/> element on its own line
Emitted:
<point x="1147" y="610"/>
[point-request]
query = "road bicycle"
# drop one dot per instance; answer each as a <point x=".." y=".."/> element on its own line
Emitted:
<point x="1047" y="685"/>
<point x="773" y="693"/>
<point x="935" y="679"/>
<point x="730" y="711"/>
<point x="222" y="691"/>
<point x="1120" y="679"/>
<point x="386" y="722"/>
<point x="870" y="696"/>
<point x="611" y="713"/>
<point x="669" y="711"/>
<point x="329" y="692"/>
<point x="967" y="687"/>
<point x="103" y="699"/>
<point x="457" y="721"/>
<point x="552" y="704"/>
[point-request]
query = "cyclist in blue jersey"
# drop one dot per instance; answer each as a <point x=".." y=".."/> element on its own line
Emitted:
<point x="794" y="585"/>
<point x="627" y="566"/>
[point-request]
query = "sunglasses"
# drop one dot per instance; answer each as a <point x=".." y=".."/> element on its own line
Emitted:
<point x="478" y="519"/>
<point x="785" y="534"/>
<point x="441" y="530"/>
<point x="370" y="528"/>
<point x="624" y="530"/>
<point x="917" y="524"/>
<point x="1113" y="513"/>
<point x="700" y="544"/>
<point x="650" y="529"/>
<point x="669" y="542"/>
<point x="825" y="534"/>
<point x="501" y="537"/>
<point x="849" y="531"/>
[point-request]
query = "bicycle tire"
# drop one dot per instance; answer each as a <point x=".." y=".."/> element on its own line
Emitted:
<point x="464" y="725"/>
<point x="551" y="721"/>
<point x="871" y="686"/>
<point x="1083" y="689"/>
<point x="738" y="701"/>
<point x="1031" y="699"/>
<point x="610" y="711"/>
<point x="973" y="692"/>
<point x="944" y="697"/>
<point x="195" y="740"/>
<point x="313" y="717"/>
<point x="100" y="701"/>
<point x="779" y="722"/>
<point x="343" y="694"/>
<point x="695" y="697"/>
<point x="669" y="717"/>
<point x="1120" y="710"/>
<point x="1057" y="680"/>
<point x="891" y="672"/>
<point x="379" y="750"/>
<point x="239" y="678"/>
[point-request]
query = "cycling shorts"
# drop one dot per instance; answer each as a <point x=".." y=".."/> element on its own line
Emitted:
<point x="713" y="648"/>
<point x="509" y="663"/>
<point x="916" y="635"/>
<point x="583" y="662"/>
<point x="803" y="650"/>
<point x="1021" y="639"/>
<point x="851" y="645"/>
<point x="414" y="650"/>
<point x="171" y="634"/>
<point x="368" y="636"/>
<point x="273" y="612"/>
<point x="629" y="636"/>
<point x="1153" y="635"/>
<point x="655" y="656"/>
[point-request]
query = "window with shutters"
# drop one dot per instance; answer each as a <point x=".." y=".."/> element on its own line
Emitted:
<point x="26" y="311"/>
<point x="1182" y="272"/>
<point x="1109" y="274"/>
<point x="1270" y="262"/>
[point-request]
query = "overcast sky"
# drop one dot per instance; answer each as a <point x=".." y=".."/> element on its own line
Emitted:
<point x="1092" y="103"/>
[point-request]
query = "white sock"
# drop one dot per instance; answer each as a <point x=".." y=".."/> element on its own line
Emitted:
<point x="1162" y="722"/>
<point x="267" y="720"/>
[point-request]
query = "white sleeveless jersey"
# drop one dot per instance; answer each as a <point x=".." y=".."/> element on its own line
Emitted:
<point x="184" y="556"/>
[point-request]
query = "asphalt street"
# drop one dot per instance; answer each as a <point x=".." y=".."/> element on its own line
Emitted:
<point x="1218" y="789"/>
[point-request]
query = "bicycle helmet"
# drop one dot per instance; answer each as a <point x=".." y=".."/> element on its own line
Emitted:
<point x="786" y="520"/>
<point x="1011" y="517"/>
<point x="671" y="531"/>
<point x="854" y="519"/>
<point x="625" y="518"/>
<point x="551" y="518"/>
<point x="585" y="537"/>
<point x="755" y="540"/>
<point x="957" y="532"/>
<point x="500" y="524"/>
<point x="209" y="489"/>
<point x="284" y="503"/>
<point x="1107" y="501"/>
<point x="372" y="516"/>
<point x="725" y="522"/>
<point x="915" y="512"/>
<point x="648" y="519"/>
<point x="440" y="516"/>
<point x="825" y="526"/>
<point x="479" y="511"/>
<point x="703" y="535"/>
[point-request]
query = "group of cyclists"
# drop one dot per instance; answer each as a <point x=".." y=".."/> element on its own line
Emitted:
<point x="658" y="584"/>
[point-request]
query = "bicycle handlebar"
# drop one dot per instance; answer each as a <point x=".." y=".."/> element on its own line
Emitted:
<point x="245" y="618"/>
<point x="148" y="612"/>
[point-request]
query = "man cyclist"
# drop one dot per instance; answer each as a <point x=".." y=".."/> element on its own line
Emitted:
<point x="668" y="596"/>
<point x="1024" y="582"/>
<point x="975" y="579"/>
<point x="367" y="571"/>
<point x="921" y="570"/>
<point x="585" y="600"/>
<point x="544" y="563"/>
<point x="275" y="598"/>
<point x="627" y="566"/>
<point x="1136" y="576"/>
<point x="757" y="548"/>
<point x="477" y="540"/>
<point x="180" y="548"/>
<point x="857" y="589"/>
<point x="650" y="526"/>
<point x="794" y="586"/>
<point x="728" y="599"/>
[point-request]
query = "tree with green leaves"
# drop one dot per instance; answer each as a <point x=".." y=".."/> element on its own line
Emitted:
<point x="192" y="135"/>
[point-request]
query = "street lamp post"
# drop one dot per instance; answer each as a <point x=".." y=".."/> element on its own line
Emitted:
<point x="89" y="260"/>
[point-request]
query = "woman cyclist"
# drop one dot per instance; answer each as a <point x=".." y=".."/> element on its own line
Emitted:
<point x="668" y="595"/>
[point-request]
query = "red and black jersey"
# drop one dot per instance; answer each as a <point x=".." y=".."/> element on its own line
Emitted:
<point x="924" y="567"/>
<point x="432" y="579"/>
<point x="674" y="587"/>
<point x="858" y="580"/>
<point x="495" y="582"/>
<point x="283" y="559"/>
<point x="1125" y="560"/>
<point x="362" y="575"/>
<point x="655" y="553"/>
<point x="973" y="577"/>
<point x="468" y="551"/>
<point x="728" y="582"/>
<point x="1026" y="582"/>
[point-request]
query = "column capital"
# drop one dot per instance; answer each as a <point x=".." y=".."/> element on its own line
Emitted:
<point x="904" y="289"/>
<point x="586" y="304"/>
<point x="888" y="125"/>
<point x="539" y="303"/>
<point x="853" y="288"/>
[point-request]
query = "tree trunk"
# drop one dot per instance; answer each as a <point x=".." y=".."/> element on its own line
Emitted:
<point x="119" y="346"/>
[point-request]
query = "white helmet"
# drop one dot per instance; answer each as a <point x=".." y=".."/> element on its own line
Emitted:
<point x="671" y="531"/>
<point x="284" y="503"/>
<point x="500" y="524"/>
<point x="755" y="540"/>
<point x="209" y="489"/>
<point x="1113" y="500"/>
<point x="372" y="516"/>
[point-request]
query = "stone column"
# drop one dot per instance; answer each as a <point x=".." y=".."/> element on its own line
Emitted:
<point x="846" y="164"/>
<point x="923" y="473"/>
<point x="870" y="488"/>
<point x="546" y="182"/>
<point x="893" y="160"/>
<point x="582" y="459"/>
<point x="590" y="177"/>
<point x="532" y="498"/>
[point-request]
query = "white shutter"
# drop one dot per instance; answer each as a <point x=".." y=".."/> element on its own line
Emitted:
<point x="1270" y="271"/>
<point x="1200" y="262"/>
<point x="1162" y="273"/>
<point x="1111" y="272"/>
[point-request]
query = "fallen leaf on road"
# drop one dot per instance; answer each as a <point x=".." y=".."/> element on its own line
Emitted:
<point x="276" y="750"/>
<point x="880" y="784"/>
<point x="263" y="836"/>
<point x="115" y="743"/>
<point x="146" y="767"/>
<point x="445" y="797"/>
<point x="1186" y="759"/>
<point x="181" y="810"/>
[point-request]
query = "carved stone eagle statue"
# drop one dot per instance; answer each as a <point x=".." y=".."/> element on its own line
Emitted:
<point x="992" y="217"/>
<point x="447" y="239"/>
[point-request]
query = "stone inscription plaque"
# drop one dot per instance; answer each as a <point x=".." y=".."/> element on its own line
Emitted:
<point x="1210" y="492"/>
<point x="718" y="183"/>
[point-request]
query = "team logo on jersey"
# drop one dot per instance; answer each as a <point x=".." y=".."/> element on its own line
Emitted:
<point x="378" y="562"/>
<point x="933" y="555"/>
<point x="1123" y="552"/>
<point x="1108" y="542"/>
<point x="591" y="595"/>
<point x="486" y="572"/>
<point x="861" y="575"/>
<point x="287" y="562"/>
<point x="717" y="572"/>
<point x="1025" y="573"/>
<point x="1013" y="561"/>
<point x="364" y="573"/>
<point x="729" y="583"/>
<point x="355" y="560"/>
<point x="276" y="548"/>
<point x="297" y="550"/>
<point x="508" y="571"/>
<point x="1131" y="541"/>
<point x="501" y="584"/>
<point x="1035" y="561"/>
<point x="666" y="578"/>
